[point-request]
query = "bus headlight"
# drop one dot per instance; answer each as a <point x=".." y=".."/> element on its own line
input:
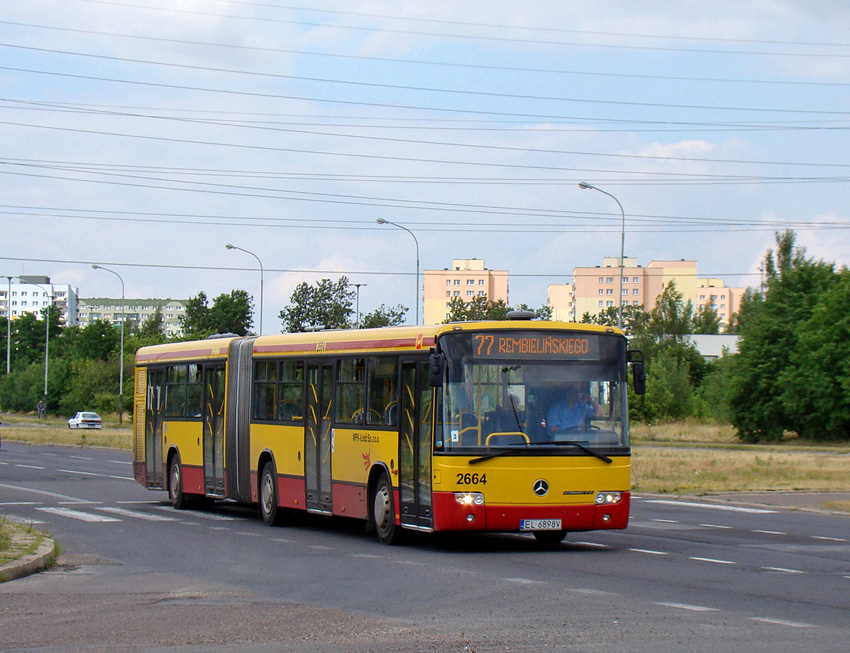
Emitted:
<point x="469" y="498"/>
<point x="608" y="498"/>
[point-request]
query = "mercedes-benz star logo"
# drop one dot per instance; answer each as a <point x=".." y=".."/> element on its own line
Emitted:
<point x="541" y="487"/>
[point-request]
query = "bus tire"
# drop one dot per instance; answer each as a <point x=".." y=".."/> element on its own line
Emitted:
<point x="179" y="500"/>
<point x="267" y="504"/>
<point x="383" y="512"/>
<point x="550" y="538"/>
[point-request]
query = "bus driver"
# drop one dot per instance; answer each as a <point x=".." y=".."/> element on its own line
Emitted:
<point x="575" y="410"/>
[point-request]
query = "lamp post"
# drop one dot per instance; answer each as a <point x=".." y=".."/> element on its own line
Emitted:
<point x="357" y="286"/>
<point x="229" y="246"/>
<point x="584" y="185"/>
<point x="121" y="361"/>
<point x="9" y="325"/>
<point x="382" y="221"/>
<point x="46" y="336"/>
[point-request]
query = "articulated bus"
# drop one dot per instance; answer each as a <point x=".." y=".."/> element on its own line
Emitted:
<point x="426" y="428"/>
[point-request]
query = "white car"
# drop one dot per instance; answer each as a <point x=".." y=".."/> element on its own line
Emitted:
<point x="85" y="421"/>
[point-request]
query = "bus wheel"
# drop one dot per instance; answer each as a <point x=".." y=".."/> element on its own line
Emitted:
<point x="267" y="506"/>
<point x="383" y="512"/>
<point x="175" y="485"/>
<point x="550" y="538"/>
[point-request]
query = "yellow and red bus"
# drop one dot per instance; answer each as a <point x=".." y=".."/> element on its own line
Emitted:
<point x="429" y="428"/>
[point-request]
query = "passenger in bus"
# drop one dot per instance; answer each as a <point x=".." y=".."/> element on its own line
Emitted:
<point x="574" y="411"/>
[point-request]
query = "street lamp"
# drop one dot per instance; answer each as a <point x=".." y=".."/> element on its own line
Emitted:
<point x="9" y="325"/>
<point x="584" y="185"/>
<point x="121" y="361"/>
<point x="357" y="286"/>
<point x="229" y="246"/>
<point x="46" y="335"/>
<point x="382" y="221"/>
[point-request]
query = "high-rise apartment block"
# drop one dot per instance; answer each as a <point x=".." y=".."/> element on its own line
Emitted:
<point x="467" y="279"/>
<point x="32" y="294"/>
<point x="595" y="289"/>
<point x="135" y="311"/>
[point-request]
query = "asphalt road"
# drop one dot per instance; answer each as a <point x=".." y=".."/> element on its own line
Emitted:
<point x="136" y="575"/>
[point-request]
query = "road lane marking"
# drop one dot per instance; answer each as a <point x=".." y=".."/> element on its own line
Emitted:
<point x="715" y="526"/>
<point x="135" y="514"/>
<point x="595" y="545"/>
<point x="77" y="471"/>
<point x="524" y="581"/>
<point x="202" y="515"/>
<point x="80" y="457"/>
<point x="828" y="539"/>
<point x="19" y="503"/>
<point x="355" y="555"/>
<point x="28" y="466"/>
<point x="283" y="540"/>
<point x="712" y="506"/>
<point x="78" y="514"/>
<point x="758" y="530"/>
<point x="665" y="521"/>
<point x="714" y="560"/>
<point x="782" y="622"/>
<point x="687" y="606"/>
<point x="650" y="552"/>
<point x="121" y="462"/>
<point x="55" y="495"/>
<point x="783" y="569"/>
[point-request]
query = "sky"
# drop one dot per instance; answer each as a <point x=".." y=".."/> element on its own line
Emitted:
<point x="145" y="135"/>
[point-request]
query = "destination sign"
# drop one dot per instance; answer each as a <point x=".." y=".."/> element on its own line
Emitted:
<point x="535" y="345"/>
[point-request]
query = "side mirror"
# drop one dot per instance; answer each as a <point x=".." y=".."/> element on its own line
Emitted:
<point x="635" y="358"/>
<point x="436" y="368"/>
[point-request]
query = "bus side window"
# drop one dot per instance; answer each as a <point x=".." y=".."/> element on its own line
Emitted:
<point x="383" y="404"/>
<point x="291" y="391"/>
<point x="351" y="391"/>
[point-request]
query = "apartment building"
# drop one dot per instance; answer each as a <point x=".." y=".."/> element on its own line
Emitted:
<point x="466" y="279"/>
<point x="32" y="294"/>
<point x="595" y="289"/>
<point x="135" y="311"/>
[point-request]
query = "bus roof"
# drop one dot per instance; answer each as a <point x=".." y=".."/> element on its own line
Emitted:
<point x="352" y="341"/>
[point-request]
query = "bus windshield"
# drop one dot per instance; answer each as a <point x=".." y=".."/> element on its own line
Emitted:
<point x="534" y="390"/>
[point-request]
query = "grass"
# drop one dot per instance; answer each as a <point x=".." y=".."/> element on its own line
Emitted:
<point x="17" y="540"/>
<point x="54" y="430"/>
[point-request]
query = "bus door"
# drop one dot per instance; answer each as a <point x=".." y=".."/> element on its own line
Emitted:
<point x="317" y="438"/>
<point x="154" y="410"/>
<point x="213" y="411"/>
<point x="415" y="428"/>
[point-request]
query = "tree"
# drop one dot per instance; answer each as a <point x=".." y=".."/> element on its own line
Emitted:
<point x="635" y="318"/>
<point x="328" y="305"/>
<point x="771" y="325"/>
<point x="706" y="321"/>
<point x="152" y="327"/>
<point x="383" y="316"/>
<point x="816" y="384"/>
<point x="229" y="313"/>
<point x="97" y="340"/>
<point x="29" y="333"/>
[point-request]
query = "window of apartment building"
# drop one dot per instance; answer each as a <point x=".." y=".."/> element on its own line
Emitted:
<point x="635" y="303"/>
<point x="625" y="291"/>
<point x="448" y="293"/>
<point x="481" y="282"/>
<point x="602" y="291"/>
<point x="457" y="282"/>
<point x="470" y="293"/>
<point x="635" y="280"/>
<point x="625" y="279"/>
<point x="601" y="279"/>
<point x="457" y="293"/>
<point x="482" y="293"/>
<point x="609" y="280"/>
<point x="448" y="282"/>
<point x="470" y="282"/>
<point x="601" y="304"/>
<point x="609" y="303"/>
<point x="635" y="291"/>
<point x="610" y="291"/>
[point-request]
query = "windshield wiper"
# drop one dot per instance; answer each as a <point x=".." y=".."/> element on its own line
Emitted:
<point x="549" y="449"/>
<point x="488" y="456"/>
<point x="579" y="445"/>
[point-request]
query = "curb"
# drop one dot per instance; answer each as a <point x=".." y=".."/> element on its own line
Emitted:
<point x="33" y="563"/>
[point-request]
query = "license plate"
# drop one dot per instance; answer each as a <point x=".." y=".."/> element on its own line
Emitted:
<point x="539" y="524"/>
